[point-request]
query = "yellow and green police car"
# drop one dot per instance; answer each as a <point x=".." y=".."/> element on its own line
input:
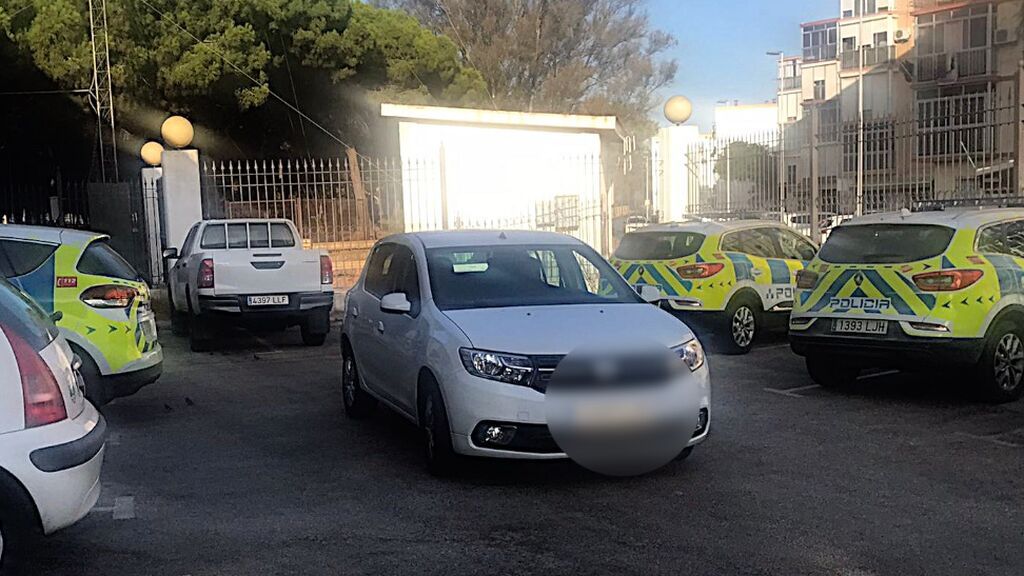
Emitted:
<point x="731" y="278"/>
<point x="930" y="288"/>
<point x="101" y="304"/>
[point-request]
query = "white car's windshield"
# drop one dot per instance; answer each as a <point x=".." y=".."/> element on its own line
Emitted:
<point x="523" y="275"/>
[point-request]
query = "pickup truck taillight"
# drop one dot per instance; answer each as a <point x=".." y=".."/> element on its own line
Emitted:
<point x="206" y="279"/>
<point x="109" y="296"/>
<point x="326" y="270"/>
<point x="44" y="403"/>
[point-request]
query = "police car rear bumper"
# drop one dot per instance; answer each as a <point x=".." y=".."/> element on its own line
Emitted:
<point x="894" y="349"/>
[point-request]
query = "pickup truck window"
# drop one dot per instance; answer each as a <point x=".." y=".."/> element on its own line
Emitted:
<point x="238" y="236"/>
<point x="214" y="238"/>
<point x="186" y="247"/>
<point x="259" y="237"/>
<point x="281" y="235"/>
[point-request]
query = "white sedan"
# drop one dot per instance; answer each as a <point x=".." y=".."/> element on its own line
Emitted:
<point x="51" y="438"/>
<point x="460" y="332"/>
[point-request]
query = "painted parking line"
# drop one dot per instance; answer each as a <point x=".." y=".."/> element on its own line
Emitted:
<point x="877" y="374"/>
<point x="773" y="346"/>
<point x="123" y="508"/>
<point x="994" y="439"/>
<point x="792" y="392"/>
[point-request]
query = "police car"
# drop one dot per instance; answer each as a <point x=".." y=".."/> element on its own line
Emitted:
<point x="912" y="289"/>
<point x="99" y="302"/>
<point x="729" y="277"/>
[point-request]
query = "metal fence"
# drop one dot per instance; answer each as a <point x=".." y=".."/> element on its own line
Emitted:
<point x="51" y="204"/>
<point x="953" y="147"/>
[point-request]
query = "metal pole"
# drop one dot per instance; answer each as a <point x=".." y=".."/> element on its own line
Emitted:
<point x="860" y="111"/>
<point x="728" y="176"/>
<point x="815" y="215"/>
<point x="782" y="150"/>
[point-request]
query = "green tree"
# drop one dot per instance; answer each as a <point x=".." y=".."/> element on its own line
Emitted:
<point x="569" y="56"/>
<point x="217" y="61"/>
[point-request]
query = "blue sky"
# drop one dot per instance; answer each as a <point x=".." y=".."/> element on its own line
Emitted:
<point x="722" y="45"/>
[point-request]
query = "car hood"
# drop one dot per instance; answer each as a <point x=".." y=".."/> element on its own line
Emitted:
<point x="558" y="330"/>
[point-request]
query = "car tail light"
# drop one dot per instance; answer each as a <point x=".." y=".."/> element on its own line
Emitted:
<point x="44" y="403"/>
<point x="109" y="296"/>
<point x="206" y="278"/>
<point x="326" y="270"/>
<point x="947" y="280"/>
<point x="806" y="280"/>
<point x="694" y="271"/>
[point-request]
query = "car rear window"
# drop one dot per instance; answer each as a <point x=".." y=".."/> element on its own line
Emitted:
<point x="214" y="238"/>
<point x="281" y="235"/>
<point x="99" y="259"/>
<point x="18" y="257"/>
<point x="259" y="237"/>
<point x="24" y="317"/>
<point x="659" y="245"/>
<point x="885" y="243"/>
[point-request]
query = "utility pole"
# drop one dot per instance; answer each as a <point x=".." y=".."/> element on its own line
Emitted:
<point x="782" y="136"/>
<point x="101" y="93"/>
<point x="859" y="209"/>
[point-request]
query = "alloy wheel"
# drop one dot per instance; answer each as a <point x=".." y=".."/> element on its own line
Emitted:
<point x="428" y="425"/>
<point x="743" y="326"/>
<point x="348" y="381"/>
<point x="1009" y="362"/>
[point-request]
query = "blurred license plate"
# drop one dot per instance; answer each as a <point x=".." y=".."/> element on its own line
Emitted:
<point x="860" y="326"/>
<point x="277" y="300"/>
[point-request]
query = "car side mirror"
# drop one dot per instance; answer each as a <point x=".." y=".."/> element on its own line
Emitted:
<point x="171" y="253"/>
<point x="395" y="303"/>
<point x="648" y="293"/>
<point x="57" y="316"/>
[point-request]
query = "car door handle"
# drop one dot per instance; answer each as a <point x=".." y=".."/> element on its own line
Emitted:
<point x="355" y="312"/>
<point x="380" y="327"/>
<point x="757" y="272"/>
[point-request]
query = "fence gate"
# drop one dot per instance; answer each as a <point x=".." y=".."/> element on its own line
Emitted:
<point x="116" y="209"/>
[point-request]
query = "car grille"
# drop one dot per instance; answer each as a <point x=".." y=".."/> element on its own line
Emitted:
<point x="545" y="368"/>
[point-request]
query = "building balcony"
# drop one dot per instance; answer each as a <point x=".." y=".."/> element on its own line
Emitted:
<point x="872" y="56"/>
<point x="790" y="84"/>
<point x="953" y="66"/>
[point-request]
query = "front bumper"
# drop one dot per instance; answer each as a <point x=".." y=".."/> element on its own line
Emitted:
<point x="896" y="348"/>
<point x="472" y="401"/>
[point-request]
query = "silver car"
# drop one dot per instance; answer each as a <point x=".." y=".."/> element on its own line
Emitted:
<point x="460" y="332"/>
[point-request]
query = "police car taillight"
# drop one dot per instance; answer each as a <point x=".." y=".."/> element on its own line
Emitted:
<point x="703" y="270"/>
<point x="206" y="277"/>
<point x="947" y="280"/>
<point x="110" y="296"/>
<point x="43" y="401"/>
<point x="806" y="280"/>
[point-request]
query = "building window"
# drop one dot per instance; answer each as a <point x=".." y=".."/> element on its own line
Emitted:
<point x="819" y="89"/>
<point x="953" y="40"/>
<point x="819" y="41"/>
<point x="881" y="38"/>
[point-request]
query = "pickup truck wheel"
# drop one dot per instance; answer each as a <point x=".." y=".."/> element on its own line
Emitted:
<point x="358" y="403"/>
<point x="200" y="334"/>
<point x="1001" y="368"/>
<point x="437" y="435"/>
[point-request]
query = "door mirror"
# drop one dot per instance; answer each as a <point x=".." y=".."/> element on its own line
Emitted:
<point x="649" y="293"/>
<point x="395" y="303"/>
<point x="171" y="253"/>
<point x="57" y="316"/>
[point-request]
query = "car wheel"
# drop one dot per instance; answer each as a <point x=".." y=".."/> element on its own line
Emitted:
<point x="4" y="545"/>
<point x="179" y="321"/>
<point x="827" y="372"/>
<point x="200" y="334"/>
<point x="742" y="323"/>
<point x="315" y="329"/>
<point x="358" y="403"/>
<point x="95" y="388"/>
<point x="1002" y="363"/>
<point x="437" y="437"/>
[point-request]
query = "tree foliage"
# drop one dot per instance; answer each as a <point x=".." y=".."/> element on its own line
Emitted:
<point x="583" y="56"/>
<point x="330" y="57"/>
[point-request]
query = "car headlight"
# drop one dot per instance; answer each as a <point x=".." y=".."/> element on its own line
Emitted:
<point x="507" y="368"/>
<point x="692" y="353"/>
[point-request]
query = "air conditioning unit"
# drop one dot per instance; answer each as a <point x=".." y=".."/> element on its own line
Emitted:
<point x="1004" y="36"/>
<point x="901" y="36"/>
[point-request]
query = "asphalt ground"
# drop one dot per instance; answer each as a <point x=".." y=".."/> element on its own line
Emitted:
<point x="241" y="461"/>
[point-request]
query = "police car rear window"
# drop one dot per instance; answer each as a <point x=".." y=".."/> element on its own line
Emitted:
<point x="659" y="245"/>
<point x="885" y="243"/>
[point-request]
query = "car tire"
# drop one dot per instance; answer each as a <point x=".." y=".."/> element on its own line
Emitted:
<point x="315" y="328"/>
<point x="684" y="454"/>
<point x="440" y="456"/>
<point x="1001" y="368"/>
<point x="741" y="325"/>
<point x="200" y="334"/>
<point x="6" y="549"/>
<point x="358" y="402"/>
<point x="827" y="372"/>
<point x="95" y="387"/>
<point x="179" y="320"/>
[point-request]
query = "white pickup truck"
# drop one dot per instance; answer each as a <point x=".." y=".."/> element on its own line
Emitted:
<point x="248" y="271"/>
